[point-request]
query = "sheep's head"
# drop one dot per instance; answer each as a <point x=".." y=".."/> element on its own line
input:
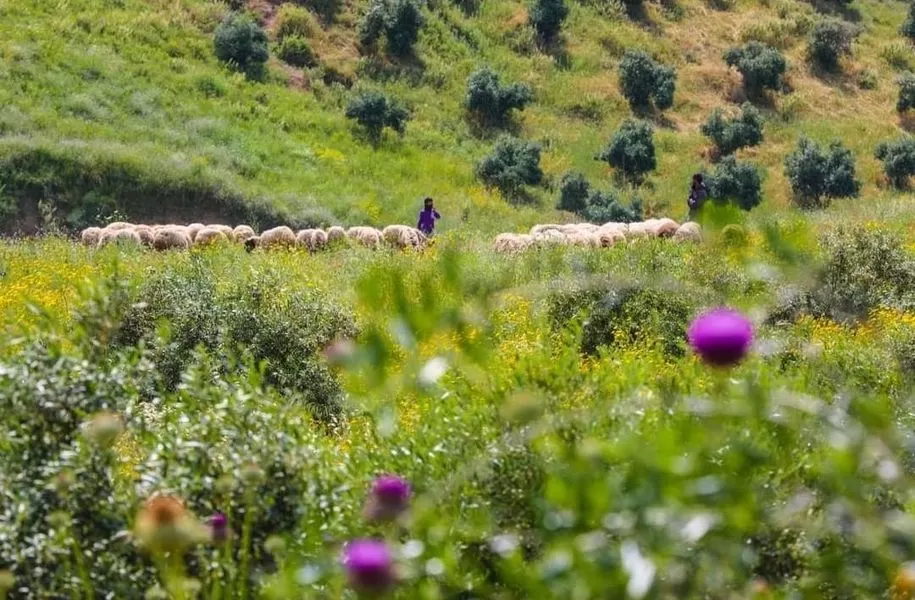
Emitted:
<point x="252" y="243"/>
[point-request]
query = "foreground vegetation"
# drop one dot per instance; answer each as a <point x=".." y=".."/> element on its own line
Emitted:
<point x="558" y="435"/>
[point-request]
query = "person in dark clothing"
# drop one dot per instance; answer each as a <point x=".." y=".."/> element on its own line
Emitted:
<point x="427" y="217"/>
<point x="697" y="195"/>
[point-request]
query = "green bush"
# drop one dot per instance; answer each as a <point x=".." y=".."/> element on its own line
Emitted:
<point x="737" y="182"/>
<point x="818" y="175"/>
<point x="491" y="102"/>
<point x="729" y="135"/>
<point x="374" y="111"/>
<point x="297" y="52"/>
<point x="908" y="26"/>
<point x="546" y="17"/>
<point x="631" y="149"/>
<point x="574" y="190"/>
<point x="240" y="42"/>
<point x="829" y="41"/>
<point x="604" y="207"/>
<point x="295" y="21"/>
<point x="399" y="21"/>
<point x="761" y="66"/>
<point x="512" y="164"/>
<point x="644" y="81"/>
<point x="906" y="99"/>
<point x="898" y="158"/>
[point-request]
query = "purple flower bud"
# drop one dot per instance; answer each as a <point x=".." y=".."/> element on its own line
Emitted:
<point x="390" y="497"/>
<point x="721" y="336"/>
<point x="219" y="527"/>
<point x="369" y="566"/>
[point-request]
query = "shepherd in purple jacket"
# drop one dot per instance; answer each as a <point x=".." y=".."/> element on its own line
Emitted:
<point x="427" y="217"/>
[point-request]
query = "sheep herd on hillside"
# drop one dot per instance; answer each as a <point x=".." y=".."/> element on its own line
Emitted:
<point x="183" y="237"/>
<point x="589" y="235"/>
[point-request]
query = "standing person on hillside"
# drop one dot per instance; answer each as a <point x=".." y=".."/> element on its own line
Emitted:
<point x="427" y="217"/>
<point x="697" y="195"/>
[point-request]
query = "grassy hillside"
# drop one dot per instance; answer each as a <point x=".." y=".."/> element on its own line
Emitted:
<point x="123" y="104"/>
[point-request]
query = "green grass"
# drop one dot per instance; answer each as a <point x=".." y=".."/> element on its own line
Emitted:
<point x="136" y="82"/>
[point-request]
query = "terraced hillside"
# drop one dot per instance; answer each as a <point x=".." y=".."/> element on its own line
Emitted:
<point x="121" y="106"/>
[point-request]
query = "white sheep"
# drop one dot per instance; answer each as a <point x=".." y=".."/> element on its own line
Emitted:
<point x="549" y="237"/>
<point x="403" y="236"/>
<point x="367" y="236"/>
<point x="278" y="237"/>
<point x="689" y="232"/>
<point x="662" y="227"/>
<point x="225" y="229"/>
<point x="610" y="236"/>
<point x="118" y="225"/>
<point x="243" y="233"/>
<point x="335" y="234"/>
<point x="545" y="227"/>
<point x="192" y="230"/>
<point x="171" y="238"/>
<point x="209" y="235"/>
<point x="311" y="239"/>
<point x="90" y="235"/>
<point x="119" y="236"/>
<point x="146" y="234"/>
<point x="637" y="231"/>
<point x="583" y="239"/>
<point x="512" y="242"/>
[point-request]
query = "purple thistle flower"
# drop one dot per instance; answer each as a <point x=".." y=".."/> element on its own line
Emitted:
<point x="389" y="498"/>
<point x="219" y="527"/>
<point x="369" y="566"/>
<point x="721" y="336"/>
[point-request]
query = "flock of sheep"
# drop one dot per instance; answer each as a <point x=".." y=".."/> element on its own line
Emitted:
<point x="590" y="235"/>
<point x="183" y="237"/>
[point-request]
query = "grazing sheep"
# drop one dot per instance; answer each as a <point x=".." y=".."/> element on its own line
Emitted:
<point x="610" y="236"/>
<point x="243" y="233"/>
<point x="583" y="239"/>
<point x="209" y="235"/>
<point x="278" y="237"/>
<point x="662" y="227"/>
<point x="689" y="232"/>
<point x="550" y="237"/>
<point x="171" y="238"/>
<point x="225" y="229"/>
<point x="367" y="236"/>
<point x="118" y="225"/>
<point x="311" y="239"/>
<point x="252" y="243"/>
<point x="146" y="234"/>
<point x="335" y="234"/>
<point x="512" y="242"/>
<point x="90" y="236"/>
<point x="119" y="236"/>
<point x="403" y="236"/>
<point x="192" y="230"/>
<point x="544" y="228"/>
<point x="638" y="230"/>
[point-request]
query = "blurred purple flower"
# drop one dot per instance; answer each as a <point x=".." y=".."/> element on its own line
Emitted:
<point x="219" y="527"/>
<point x="369" y="566"/>
<point x="389" y="498"/>
<point x="722" y="336"/>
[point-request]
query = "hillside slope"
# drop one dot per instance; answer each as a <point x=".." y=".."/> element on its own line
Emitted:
<point x="122" y="105"/>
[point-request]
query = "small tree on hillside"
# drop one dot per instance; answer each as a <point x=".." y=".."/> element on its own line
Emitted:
<point x="399" y="21"/>
<point x="574" y="190"/>
<point x="240" y="42"/>
<point x="761" y="66"/>
<point x="819" y="175"/>
<point x="512" y="164"/>
<point x="492" y="102"/>
<point x="908" y="26"/>
<point x="829" y="41"/>
<point x="906" y="98"/>
<point x="603" y="207"/>
<point x="729" y="135"/>
<point x="374" y="111"/>
<point x="546" y="17"/>
<point x="644" y="81"/>
<point x="898" y="158"/>
<point x="631" y="149"/>
<point x="735" y="181"/>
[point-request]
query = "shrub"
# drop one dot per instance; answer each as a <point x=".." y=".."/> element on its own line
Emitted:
<point x="908" y="26"/>
<point x="829" y="41"/>
<point x="546" y="17"/>
<point x="631" y="149"/>
<point x="761" y="66"/>
<point x="492" y="102"/>
<point x="240" y="42"/>
<point x="906" y="99"/>
<point x="512" y="164"/>
<point x="644" y="81"/>
<point x="817" y="176"/>
<point x="898" y="158"/>
<point x="574" y="190"/>
<point x="296" y="51"/>
<point x="735" y="181"/>
<point x="374" y="111"/>
<point x="729" y="135"/>
<point x="292" y="20"/>
<point x="398" y="20"/>
<point x="603" y="207"/>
